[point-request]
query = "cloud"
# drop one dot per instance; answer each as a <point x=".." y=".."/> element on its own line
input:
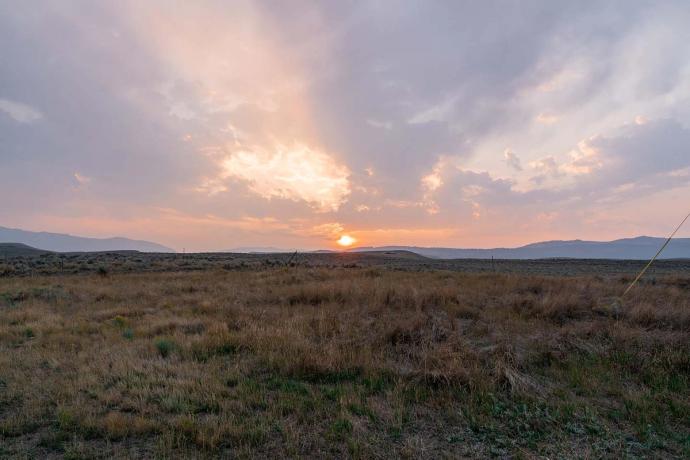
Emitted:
<point x="584" y="160"/>
<point x="512" y="160"/>
<point x="546" y="168"/>
<point x="329" y="230"/>
<point x="296" y="172"/>
<point x="387" y="125"/>
<point x="81" y="180"/>
<point x="21" y="113"/>
<point x="631" y="158"/>
<point x="636" y="163"/>
<point x="379" y="116"/>
<point x="637" y="151"/>
<point x="546" y="118"/>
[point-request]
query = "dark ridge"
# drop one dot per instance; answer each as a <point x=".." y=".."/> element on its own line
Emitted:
<point x="19" y="250"/>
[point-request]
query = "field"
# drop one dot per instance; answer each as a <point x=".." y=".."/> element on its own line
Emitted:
<point x="341" y="355"/>
<point x="136" y="262"/>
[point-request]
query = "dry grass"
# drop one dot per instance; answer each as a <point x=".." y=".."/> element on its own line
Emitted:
<point x="342" y="362"/>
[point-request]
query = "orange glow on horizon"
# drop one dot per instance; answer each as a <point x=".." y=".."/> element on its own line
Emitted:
<point x="346" y="241"/>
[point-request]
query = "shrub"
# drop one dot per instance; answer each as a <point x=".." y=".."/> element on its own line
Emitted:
<point x="165" y="347"/>
<point x="120" y="321"/>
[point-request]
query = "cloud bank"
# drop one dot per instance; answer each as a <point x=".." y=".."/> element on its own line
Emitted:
<point x="210" y="125"/>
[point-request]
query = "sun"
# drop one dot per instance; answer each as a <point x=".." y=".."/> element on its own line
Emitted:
<point x="346" y="240"/>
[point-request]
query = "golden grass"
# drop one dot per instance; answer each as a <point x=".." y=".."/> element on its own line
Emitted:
<point x="341" y="362"/>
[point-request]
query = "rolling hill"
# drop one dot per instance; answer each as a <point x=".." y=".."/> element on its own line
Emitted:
<point x="19" y="249"/>
<point x="59" y="242"/>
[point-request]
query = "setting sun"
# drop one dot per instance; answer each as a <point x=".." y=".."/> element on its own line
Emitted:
<point x="346" y="240"/>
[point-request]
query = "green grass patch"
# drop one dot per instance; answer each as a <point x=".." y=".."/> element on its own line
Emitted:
<point x="340" y="429"/>
<point x="165" y="347"/>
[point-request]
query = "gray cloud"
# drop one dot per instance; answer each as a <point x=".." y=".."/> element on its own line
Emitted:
<point x="640" y="151"/>
<point x="512" y="160"/>
<point x="21" y="113"/>
<point x="387" y="89"/>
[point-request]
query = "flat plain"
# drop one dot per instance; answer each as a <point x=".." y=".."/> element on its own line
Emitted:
<point x="379" y="355"/>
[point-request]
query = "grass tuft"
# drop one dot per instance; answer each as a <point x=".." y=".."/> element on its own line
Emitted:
<point x="165" y="347"/>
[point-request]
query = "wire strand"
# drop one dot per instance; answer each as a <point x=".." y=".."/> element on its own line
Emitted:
<point x="649" y="264"/>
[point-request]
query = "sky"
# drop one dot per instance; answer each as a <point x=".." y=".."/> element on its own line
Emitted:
<point x="213" y="125"/>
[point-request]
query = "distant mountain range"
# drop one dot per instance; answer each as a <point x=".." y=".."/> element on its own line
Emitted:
<point x="59" y="242"/>
<point x="643" y="247"/>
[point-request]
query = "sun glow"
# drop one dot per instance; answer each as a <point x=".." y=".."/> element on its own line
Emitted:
<point x="346" y="240"/>
<point x="297" y="173"/>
